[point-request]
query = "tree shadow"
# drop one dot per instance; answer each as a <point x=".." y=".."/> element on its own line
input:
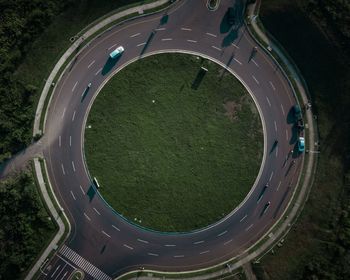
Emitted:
<point x="91" y="192"/>
<point x="199" y="78"/>
<point x="86" y="91"/>
<point x="164" y="19"/>
<point x="294" y="135"/>
<point x="290" y="116"/>
<point x="111" y="62"/>
<point x="149" y="39"/>
<point x="281" y="202"/>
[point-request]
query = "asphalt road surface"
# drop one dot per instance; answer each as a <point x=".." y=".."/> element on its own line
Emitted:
<point x="103" y="244"/>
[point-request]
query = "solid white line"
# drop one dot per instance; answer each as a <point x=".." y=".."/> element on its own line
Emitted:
<point x="64" y="275"/>
<point x="198" y="242"/>
<point x="186" y="29"/>
<point x="74" y="86"/>
<point x="179" y="256"/>
<point x="73" y="117"/>
<point x="192" y="41"/>
<point x="73" y="195"/>
<point x="241" y="220"/>
<point x="235" y="46"/>
<point x="227" y="242"/>
<point x="70" y="141"/>
<point x="271" y="176"/>
<point x="268" y="101"/>
<point x="278" y="187"/>
<point x="287" y="134"/>
<point x="98" y="71"/>
<point x="248" y="228"/>
<point x="235" y="59"/>
<point x="87" y="217"/>
<point x="255" y="79"/>
<point x="143" y="241"/>
<point x="169" y="245"/>
<point x="127" y="246"/>
<point x="283" y="110"/>
<point x="275" y="125"/>
<point x="139" y="45"/>
<point x="167" y="39"/>
<point x="153" y="254"/>
<point x="53" y="274"/>
<point x="96" y="211"/>
<point x="276" y="151"/>
<point x="216" y="48"/>
<point x="256" y="64"/>
<point x="81" y="188"/>
<point x="73" y="166"/>
<point x="92" y="63"/>
<point x="271" y="84"/>
<point x="106" y="234"/>
<point x="113" y="226"/>
<point x="137" y="34"/>
<point x="221" y="234"/>
<point x="59" y="141"/>
<point x="64" y="173"/>
<point x="64" y="111"/>
<point x="112" y="46"/>
<point x="160" y="29"/>
<point x="204" y="252"/>
<point x="211" y="34"/>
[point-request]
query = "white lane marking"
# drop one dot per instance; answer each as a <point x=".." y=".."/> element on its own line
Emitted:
<point x="287" y="134"/>
<point x="278" y="187"/>
<point x="241" y="220"/>
<point x="211" y="34"/>
<point x="167" y="39"/>
<point x="276" y="151"/>
<point x="235" y="46"/>
<point x="283" y="110"/>
<point x="70" y="141"/>
<point x="73" y="117"/>
<point x="256" y="64"/>
<point x="221" y="234"/>
<point x="87" y="217"/>
<point x="92" y="63"/>
<point x="127" y="246"/>
<point x="271" y="84"/>
<point x="135" y="35"/>
<point x="192" y="41"/>
<point x="227" y="242"/>
<point x="106" y="233"/>
<point x="248" y="228"/>
<point x="64" y="172"/>
<point x="139" y="45"/>
<point x="268" y="101"/>
<point x="74" y="86"/>
<point x="73" y="195"/>
<point x="198" y="242"/>
<point x="59" y="141"/>
<point x="186" y="29"/>
<point x="235" y="59"/>
<point x="73" y="166"/>
<point x="179" y="256"/>
<point x="169" y="245"/>
<point x="255" y="79"/>
<point x="98" y="71"/>
<point x="216" y="48"/>
<point x="142" y="241"/>
<point x="271" y="176"/>
<point x="113" y="226"/>
<point x="64" y="111"/>
<point x="112" y="46"/>
<point x="160" y="29"/>
<point x="153" y="254"/>
<point x="96" y="211"/>
<point x="81" y="188"/>
<point x="204" y="252"/>
<point x="275" y="126"/>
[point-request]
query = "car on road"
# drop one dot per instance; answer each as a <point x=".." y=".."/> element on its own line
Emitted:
<point x="231" y="16"/>
<point x="117" y="52"/>
<point x="301" y="144"/>
<point x="297" y="113"/>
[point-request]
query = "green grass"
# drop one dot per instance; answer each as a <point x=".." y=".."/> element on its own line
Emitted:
<point x="182" y="162"/>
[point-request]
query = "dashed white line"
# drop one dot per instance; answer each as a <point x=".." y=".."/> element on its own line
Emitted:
<point x="283" y="110"/>
<point x="248" y="228"/>
<point x="73" y="166"/>
<point x="192" y="41"/>
<point x="278" y="187"/>
<point x="235" y="59"/>
<point x="287" y="134"/>
<point x="211" y="34"/>
<point x="160" y="29"/>
<point x="96" y="211"/>
<point x="81" y="188"/>
<point x="74" y="86"/>
<point x="271" y="176"/>
<point x="204" y="252"/>
<point x="268" y="101"/>
<point x="235" y="46"/>
<point x="221" y="234"/>
<point x="167" y="39"/>
<point x="142" y="241"/>
<point x="87" y="217"/>
<point x="179" y="256"/>
<point x="73" y="117"/>
<point x="135" y="35"/>
<point x="198" y="242"/>
<point x="256" y="64"/>
<point x="127" y="246"/>
<point x="64" y="172"/>
<point x="169" y="245"/>
<point x="98" y="71"/>
<point x="153" y="254"/>
<point x="241" y="220"/>
<point x="227" y="242"/>
<point x="271" y="84"/>
<point x="275" y="126"/>
<point x="139" y="45"/>
<point x="59" y="141"/>
<point x="186" y="29"/>
<point x="70" y="141"/>
<point x="105" y="233"/>
<point x="218" y="49"/>
<point x="92" y="63"/>
<point x="113" y="226"/>
<point x="64" y="111"/>
<point x="255" y="79"/>
<point x="112" y="46"/>
<point x="73" y="195"/>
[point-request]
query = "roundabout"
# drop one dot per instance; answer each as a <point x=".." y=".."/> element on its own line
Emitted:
<point x="105" y="245"/>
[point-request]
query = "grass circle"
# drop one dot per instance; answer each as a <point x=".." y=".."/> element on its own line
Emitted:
<point x="173" y="146"/>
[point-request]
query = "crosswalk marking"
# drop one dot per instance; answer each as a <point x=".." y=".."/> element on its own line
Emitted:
<point x="83" y="263"/>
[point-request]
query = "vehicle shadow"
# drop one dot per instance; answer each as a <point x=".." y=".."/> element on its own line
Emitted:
<point x="111" y="62"/>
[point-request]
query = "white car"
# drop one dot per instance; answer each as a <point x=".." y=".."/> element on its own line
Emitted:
<point x="117" y="52"/>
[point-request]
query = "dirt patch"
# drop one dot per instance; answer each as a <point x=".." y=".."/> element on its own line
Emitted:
<point x="231" y="110"/>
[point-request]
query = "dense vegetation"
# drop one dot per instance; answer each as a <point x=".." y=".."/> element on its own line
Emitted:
<point x="318" y="40"/>
<point x="25" y="225"/>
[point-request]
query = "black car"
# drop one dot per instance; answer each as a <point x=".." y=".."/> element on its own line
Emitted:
<point x="231" y="16"/>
